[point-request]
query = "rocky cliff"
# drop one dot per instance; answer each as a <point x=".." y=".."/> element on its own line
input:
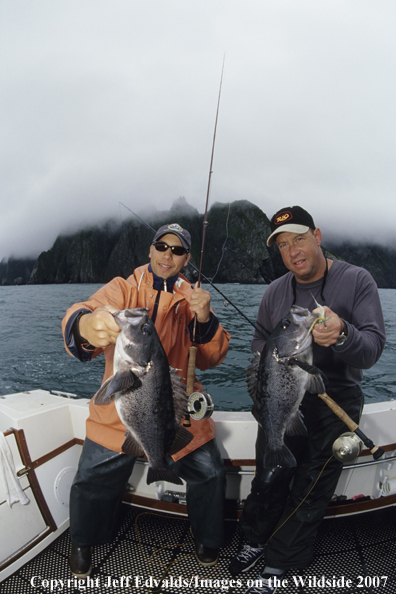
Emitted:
<point x="16" y="271"/>
<point x="378" y="260"/>
<point x="235" y="250"/>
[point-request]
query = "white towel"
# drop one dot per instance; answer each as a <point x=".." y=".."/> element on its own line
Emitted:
<point x="12" y="488"/>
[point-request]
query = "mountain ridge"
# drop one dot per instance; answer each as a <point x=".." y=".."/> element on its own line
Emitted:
<point x="235" y="250"/>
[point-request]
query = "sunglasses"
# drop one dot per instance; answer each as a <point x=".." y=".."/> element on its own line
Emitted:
<point x="177" y="250"/>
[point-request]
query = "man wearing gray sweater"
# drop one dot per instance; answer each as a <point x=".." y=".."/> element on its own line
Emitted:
<point x="352" y="339"/>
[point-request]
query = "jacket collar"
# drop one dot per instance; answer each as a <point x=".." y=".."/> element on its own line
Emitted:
<point x="158" y="281"/>
<point x="143" y="277"/>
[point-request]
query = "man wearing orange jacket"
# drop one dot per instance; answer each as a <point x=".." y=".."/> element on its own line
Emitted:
<point x="90" y="329"/>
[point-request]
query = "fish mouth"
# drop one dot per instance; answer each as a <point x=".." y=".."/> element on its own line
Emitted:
<point x="137" y="312"/>
<point x="131" y="317"/>
<point x="303" y="318"/>
<point x="304" y="344"/>
<point x="296" y="341"/>
<point x="138" y="367"/>
<point x="136" y="357"/>
<point x="295" y="350"/>
<point x="298" y="350"/>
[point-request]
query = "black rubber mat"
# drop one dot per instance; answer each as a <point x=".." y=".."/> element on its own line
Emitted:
<point x="154" y="553"/>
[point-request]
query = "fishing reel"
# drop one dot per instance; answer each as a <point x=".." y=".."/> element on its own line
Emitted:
<point x="347" y="447"/>
<point x="200" y="406"/>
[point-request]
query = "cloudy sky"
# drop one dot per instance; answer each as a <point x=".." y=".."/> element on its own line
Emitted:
<point x="107" y="101"/>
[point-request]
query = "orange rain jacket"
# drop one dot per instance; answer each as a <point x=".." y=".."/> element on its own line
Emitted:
<point x="103" y="424"/>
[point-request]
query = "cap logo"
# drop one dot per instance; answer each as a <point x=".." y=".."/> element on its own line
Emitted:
<point x="283" y="217"/>
<point x="175" y="227"/>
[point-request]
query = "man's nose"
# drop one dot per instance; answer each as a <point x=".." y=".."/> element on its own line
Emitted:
<point x="293" y="249"/>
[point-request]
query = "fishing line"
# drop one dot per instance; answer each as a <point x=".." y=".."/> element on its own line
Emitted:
<point x="156" y="551"/>
<point x="148" y="561"/>
<point x="223" y="247"/>
<point x="174" y="561"/>
<point x="301" y="502"/>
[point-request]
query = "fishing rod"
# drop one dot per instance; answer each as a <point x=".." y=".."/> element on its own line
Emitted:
<point x="193" y="349"/>
<point x="205" y="278"/>
<point x="205" y="222"/>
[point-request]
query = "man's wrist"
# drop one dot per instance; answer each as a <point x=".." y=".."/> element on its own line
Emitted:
<point x="76" y="328"/>
<point x="342" y="338"/>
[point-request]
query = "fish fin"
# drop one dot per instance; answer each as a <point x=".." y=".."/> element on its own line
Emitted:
<point x="182" y="439"/>
<point x="117" y="382"/>
<point x="296" y="425"/>
<point x="315" y="384"/>
<point x="316" y="380"/>
<point x="162" y="474"/>
<point x="179" y="395"/>
<point x="101" y="396"/>
<point x="252" y="375"/>
<point x="131" y="446"/>
<point x="122" y="380"/>
<point x="279" y="457"/>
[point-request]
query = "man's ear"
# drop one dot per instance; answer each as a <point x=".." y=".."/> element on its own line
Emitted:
<point x="318" y="235"/>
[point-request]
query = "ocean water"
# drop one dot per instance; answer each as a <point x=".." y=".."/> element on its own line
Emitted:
<point x="32" y="354"/>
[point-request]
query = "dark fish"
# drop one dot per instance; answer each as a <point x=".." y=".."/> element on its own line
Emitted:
<point x="277" y="380"/>
<point x="149" y="396"/>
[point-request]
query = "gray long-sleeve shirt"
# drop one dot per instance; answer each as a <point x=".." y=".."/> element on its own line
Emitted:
<point x="352" y="294"/>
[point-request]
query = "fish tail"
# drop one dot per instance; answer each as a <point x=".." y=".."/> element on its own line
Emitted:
<point x="162" y="474"/>
<point x="279" y="457"/>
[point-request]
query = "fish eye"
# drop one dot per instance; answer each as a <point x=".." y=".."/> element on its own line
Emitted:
<point x="145" y="329"/>
<point x="285" y="324"/>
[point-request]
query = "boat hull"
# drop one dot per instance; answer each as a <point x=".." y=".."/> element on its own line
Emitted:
<point x="46" y="431"/>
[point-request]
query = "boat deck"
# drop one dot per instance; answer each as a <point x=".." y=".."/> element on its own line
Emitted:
<point x="152" y="546"/>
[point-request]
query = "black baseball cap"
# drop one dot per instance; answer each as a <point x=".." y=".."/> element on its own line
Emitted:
<point x="291" y="219"/>
<point x="177" y="230"/>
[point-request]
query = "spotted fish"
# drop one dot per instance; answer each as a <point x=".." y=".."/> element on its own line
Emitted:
<point x="149" y="396"/>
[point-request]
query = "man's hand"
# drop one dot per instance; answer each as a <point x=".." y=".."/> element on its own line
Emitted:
<point x="99" y="328"/>
<point x="200" y="304"/>
<point x="326" y="333"/>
